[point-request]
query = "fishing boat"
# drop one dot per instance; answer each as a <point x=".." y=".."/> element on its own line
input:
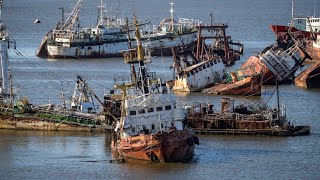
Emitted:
<point x="192" y="74"/>
<point x="110" y="36"/>
<point x="151" y="126"/>
<point x="82" y="115"/>
<point x="195" y="68"/>
<point x="244" y="119"/>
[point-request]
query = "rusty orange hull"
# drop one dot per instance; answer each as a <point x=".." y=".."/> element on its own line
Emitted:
<point x="247" y="86"/>
<point x="254" y="66"/>
<point x="314" y="52"/>
<point x="309" y="78"/>
<point x="172" y="146"/>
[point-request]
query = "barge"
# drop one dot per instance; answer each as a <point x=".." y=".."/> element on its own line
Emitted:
<point x="253" y="119"/>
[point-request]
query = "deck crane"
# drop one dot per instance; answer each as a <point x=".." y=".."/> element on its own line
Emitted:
<point x="73" y="17"/>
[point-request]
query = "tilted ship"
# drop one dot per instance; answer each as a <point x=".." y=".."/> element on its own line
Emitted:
<point x="278" y="64"/>
<point x="110" y="36"/>
<point x="302" y="28"/>
<point x="151" y="126"/>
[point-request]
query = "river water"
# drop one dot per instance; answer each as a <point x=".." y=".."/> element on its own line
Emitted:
<point x="70" y="155"/>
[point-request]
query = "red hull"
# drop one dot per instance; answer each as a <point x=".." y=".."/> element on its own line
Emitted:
<point x="281" y="31"/>
<point x="172" y="146"/>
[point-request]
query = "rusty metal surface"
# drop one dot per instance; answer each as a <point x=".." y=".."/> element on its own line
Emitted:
<point x="309" y="78"/>
<point x="169" y="146"/>
<point x="246" y="86"/>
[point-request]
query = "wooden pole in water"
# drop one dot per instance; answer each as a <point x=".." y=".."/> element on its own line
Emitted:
<point x="278" y="102"/>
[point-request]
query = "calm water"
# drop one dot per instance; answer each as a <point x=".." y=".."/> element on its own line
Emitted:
<point x="65" y="155"/>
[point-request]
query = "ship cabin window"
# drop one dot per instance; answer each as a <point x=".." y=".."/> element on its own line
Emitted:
<point x="192" y="72"/>
<point x="133" y="129"/>
<point x="211" y="63"/>
<point x="141" y="111"/>
<point x="150" y="110"/>
<point x="204" y="67"/>
<point x="159" y="108"/>
<point x="188" y="74"/>
<point x="218" y="60"/>
<point x="167" y="107"/>
<point x="196" y="71"/>
<point x="200" y="68"/>
<point x="215" y="61"/>
<point x="133" y="113"/>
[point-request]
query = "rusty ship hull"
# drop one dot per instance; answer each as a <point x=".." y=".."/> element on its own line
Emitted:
<point x="241" y="120"/>
<point x="309" y="78"/>
<point x="246" y="86"/>
<point x="172" y="146"/>
<point x="253" y="66"/>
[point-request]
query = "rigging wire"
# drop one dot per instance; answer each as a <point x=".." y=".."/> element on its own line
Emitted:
<point x="46" y="74"/>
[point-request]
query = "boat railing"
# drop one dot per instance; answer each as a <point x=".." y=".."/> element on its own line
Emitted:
<point x="122" y="80"/>
<point x="63" y="115"/>
<point x="189" y="22"/>
<point x="250" y="117"/>
<point x="62" y="33"/>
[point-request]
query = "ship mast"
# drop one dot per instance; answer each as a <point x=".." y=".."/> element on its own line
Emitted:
<point x="102" y="7"/>
<point x="171" y="16"/>
<point x="4" y="62"/>
<point x="292" y="9"/>
<point x="1" y="1"/>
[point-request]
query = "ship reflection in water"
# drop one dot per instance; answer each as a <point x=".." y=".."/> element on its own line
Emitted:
<point x="74" y="155"/>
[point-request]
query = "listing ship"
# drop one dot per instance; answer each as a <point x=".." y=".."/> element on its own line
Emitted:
<point x="238" y="85"/>
<point x="301" y="28"/>
<point x="195" y="74"/>
<point x="111" y="36"/>
<point x="151" y="126"/>
<point x="277" y="64"/>
<point x="196" y="68"/>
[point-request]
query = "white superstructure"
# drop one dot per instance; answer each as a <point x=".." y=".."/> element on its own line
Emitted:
<point x="111" y="36"/>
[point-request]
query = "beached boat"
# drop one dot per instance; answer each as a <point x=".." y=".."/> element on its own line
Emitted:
<point x="309" y="78"/>
<point x="252" y="119"/>
<point x="110" y="36"/>
<point x="151" y="125"/>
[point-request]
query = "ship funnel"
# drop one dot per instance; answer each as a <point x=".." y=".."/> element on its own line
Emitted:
<point x="227" y="105"/>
